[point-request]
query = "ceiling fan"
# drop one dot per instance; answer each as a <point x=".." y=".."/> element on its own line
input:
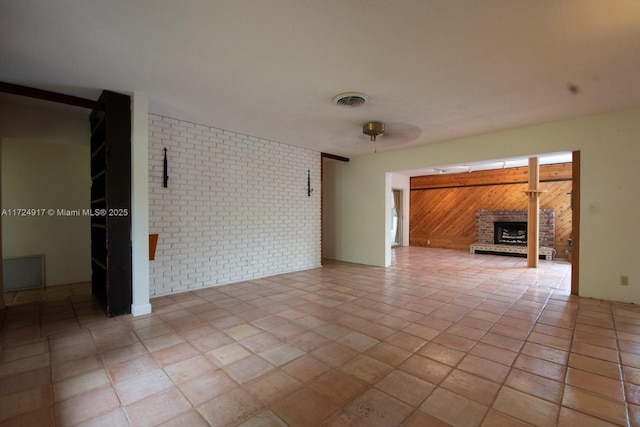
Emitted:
<point x="374" y="135"/>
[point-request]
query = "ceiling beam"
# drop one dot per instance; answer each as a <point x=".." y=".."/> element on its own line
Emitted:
<point x="335" y="157"/>
<point x="46" y="95"/>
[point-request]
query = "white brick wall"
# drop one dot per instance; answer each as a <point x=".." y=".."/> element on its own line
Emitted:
<point x="236" y="207"/>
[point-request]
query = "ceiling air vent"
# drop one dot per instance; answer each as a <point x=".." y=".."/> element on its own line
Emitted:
<point x="350" y="99"/>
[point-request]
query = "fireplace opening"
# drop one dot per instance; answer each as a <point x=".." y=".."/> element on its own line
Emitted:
<point x="510" y="233"/>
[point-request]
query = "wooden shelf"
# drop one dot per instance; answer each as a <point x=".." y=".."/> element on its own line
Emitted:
<point x="111" y="189"/>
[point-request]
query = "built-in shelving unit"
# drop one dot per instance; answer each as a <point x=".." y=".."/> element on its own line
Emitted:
<point x="111" y="203"/>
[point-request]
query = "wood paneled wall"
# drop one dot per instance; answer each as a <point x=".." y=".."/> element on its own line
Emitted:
<point x="443" y="207"/>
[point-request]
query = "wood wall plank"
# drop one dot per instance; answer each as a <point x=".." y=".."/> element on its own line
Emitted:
<point x="445" y="216"/>
<point x="556" y="172"/>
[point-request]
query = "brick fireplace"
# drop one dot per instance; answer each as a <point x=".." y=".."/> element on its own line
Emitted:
<point x="486" y="221"/>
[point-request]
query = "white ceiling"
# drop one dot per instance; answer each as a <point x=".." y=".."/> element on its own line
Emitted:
<point x="433" y="69"/>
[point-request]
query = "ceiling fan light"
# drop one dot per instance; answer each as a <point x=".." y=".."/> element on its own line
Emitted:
<point x="373" y="129"/>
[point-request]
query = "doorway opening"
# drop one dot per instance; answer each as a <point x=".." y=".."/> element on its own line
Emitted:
<point x="396" y="218"/>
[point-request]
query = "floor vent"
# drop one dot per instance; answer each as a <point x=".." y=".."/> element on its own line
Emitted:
<point x="25" y="272"/>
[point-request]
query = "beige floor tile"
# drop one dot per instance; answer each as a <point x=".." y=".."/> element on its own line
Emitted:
<point x="175" y="353"/>
<point x="190" y="418"/>
<point x="406" y="341"/>
<point x="114" y="418"/>
<point x="12" y="353"/>
<point x="632" y="393"/>
<point x="228" y="354"/>
<point x="540" y="367"/>
<point x="426" y="369"/>
<point x="498" y="419"/>
<point x="634" y="415"/>
<point x="441" y="353"/>
<point x="335" y="354"/>
<point x="42" y="417"/>
<point x="281" y="354"/>
<point x="422" y="419"/>
<point x="610" y="355"/>
<point x="496" y="354"/>
<point x="158" y="408"/>
<point x="387" y="353"/>
<point x="446" y="334"/>
<point x="468" y="413"/>
<point x="454" y="341"/>
<point x="265" y="418"/>
<point x="593" y="404"/>
<point x="570" y="418"/>
<point x="306" y="369"/>
<point x="405" y="387"/>
<point x="24" y="381"/>
<point x="502" y="341"/>
<point x="248" y="369"/>
<point x="24" y="365"/>
<point x="86" y="406"/>
<point x="596" y="366"/>
<point x="272" y="386"/>
<point x="241" y="331"/>
<point x="378" y="409"/>
<point x="366" y="369"/>
<point x="544" y="352"/>
<point x="471" y="386"/>
<point x="308" y="341"/>
<point x="305" y="408"/>
<point x="132" y="368"/>
<point x="24" y="401"/>
<point x="358" y="341"/>
<point x="484" y="368"/>
<point x="526" y="408"/>
<point x="79" y="384"/>
<point x="338" y="387"/>
<point x="122" y="354"/>
<point x="189" y="369"/>
<point x="609" y="387"/>
<point x="144" y="385"/>
<point x="207" y="386"/>
<point x="163" y="341"/>
<point x="535" y="385"/>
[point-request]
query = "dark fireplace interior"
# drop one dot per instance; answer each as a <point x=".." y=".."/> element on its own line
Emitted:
<point x="510" y="233"/>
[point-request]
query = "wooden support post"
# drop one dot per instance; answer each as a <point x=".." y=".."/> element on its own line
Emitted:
<point x="533" y="219"/>
<point x="2" y="303"/>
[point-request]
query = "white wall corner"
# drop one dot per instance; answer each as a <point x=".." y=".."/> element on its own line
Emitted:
<point x="387" y="219"/>
<point x="140" y="310"/>
<point x="140" y="204"/>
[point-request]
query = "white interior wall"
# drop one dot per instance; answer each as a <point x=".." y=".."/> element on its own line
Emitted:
<point x="47" y="177"/>
<point x="140" y="204"/>
<point x="609" y="151"/>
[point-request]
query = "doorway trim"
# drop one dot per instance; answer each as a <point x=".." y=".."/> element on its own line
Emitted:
<point x="400" y="221"/>
<point x="575" y="225"/>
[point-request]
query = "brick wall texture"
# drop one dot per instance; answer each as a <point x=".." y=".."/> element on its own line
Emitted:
<point x="546" y="225"/>
<point x="236" y="207"/>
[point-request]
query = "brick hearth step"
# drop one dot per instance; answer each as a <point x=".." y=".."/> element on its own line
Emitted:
<point x="547" y="252"/>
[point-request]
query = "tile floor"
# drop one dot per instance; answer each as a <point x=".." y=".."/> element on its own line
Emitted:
<point x="440" y="338"/>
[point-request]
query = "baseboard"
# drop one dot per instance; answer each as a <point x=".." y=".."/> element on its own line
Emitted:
<point x="140" y="310"/>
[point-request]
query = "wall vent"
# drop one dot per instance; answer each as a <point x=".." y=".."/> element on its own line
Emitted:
<point x="350" y="99"/>
<point x="25" y="272"/>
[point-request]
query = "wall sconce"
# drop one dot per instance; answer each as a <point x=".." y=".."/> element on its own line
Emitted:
<point x="309" y="189"/>
<point x="165" y="176"/>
